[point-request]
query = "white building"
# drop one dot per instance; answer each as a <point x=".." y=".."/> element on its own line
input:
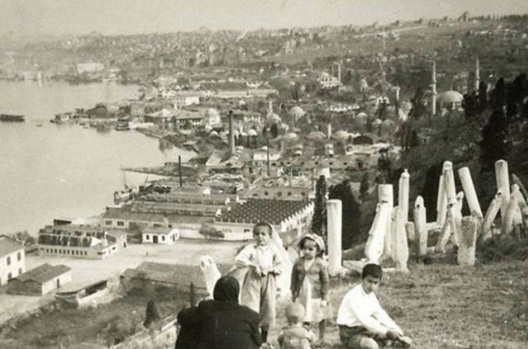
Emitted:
<point x="161" y="235"/>
<point x="12" y="259"/>
<point x="76" y="241"/>
<point x="183" y="99"/>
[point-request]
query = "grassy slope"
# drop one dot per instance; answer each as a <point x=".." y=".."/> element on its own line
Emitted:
<point x="446" y="306"/>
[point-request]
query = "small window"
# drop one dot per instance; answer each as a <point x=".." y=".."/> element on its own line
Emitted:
<point x="265" y="193"/>
<point x="19" y="271"/>
<point x="147" y="237"/>
<point x="255" y="194"/>
<point x="19" y="256"/>
<point x="163" y="238"/>
<point x="317" y="162"/>
<point x="303" y="193"/>
<point x="9" y="276"/>
<point x="289" y="193"/>
<point x="108" y="222"/>
<point x="279" y="194"/>
<point x="120" y="223"/>
<point x="331" y="163"/>
<point x="9" y="262"/>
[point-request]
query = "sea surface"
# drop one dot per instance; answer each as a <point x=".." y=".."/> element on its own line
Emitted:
<point x="52" y="171"/>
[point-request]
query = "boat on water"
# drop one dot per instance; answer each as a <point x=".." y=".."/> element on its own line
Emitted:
<point x="122" y="124"/>
<point x="12" y="118"/>
<point x="125" y="195"/>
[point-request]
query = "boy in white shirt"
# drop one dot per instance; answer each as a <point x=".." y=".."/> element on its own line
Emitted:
<point x="363" y="324"/>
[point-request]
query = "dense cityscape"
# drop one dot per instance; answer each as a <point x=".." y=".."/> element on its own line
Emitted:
<point x="395" y="144"/>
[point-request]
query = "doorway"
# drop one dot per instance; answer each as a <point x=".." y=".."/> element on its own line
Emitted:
<point x="155" y="239"/>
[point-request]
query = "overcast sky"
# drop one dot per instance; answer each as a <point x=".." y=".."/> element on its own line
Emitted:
<point x="29" y="17"/>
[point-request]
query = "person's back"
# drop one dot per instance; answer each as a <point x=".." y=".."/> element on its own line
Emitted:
<point x="228" y="325"/>
<point x="220" y="323"/>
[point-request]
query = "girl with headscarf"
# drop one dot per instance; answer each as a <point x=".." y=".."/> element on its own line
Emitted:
<point x="220" y="323"/>
<point x="310" y="283"/>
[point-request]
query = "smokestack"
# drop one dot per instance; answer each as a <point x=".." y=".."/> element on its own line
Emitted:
<point x="231" y="135"/>
<point x="433" y="111"/>
<point x="477" y="74"/>
<point x="180" y="171"/>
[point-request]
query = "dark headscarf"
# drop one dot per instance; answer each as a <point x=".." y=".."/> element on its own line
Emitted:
<point x="226" y="289"/>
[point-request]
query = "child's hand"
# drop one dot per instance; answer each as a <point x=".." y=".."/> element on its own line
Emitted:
<point x="258" y="270"/>
<point x="275" y="271"/>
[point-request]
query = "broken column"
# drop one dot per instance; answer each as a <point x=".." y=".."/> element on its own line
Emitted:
<point x="403" y="195"/>
<point x="210" y="273"/>
<point x="469" y="191"/>
<point x="511" y="209"/>
<point x="420" y="226"/>
<point x="385" y="194"/>
<point x="441" y="203"/>
<point x="378" y="230"/>
<point x="334" y="219"/>
<point x="451" y="198"/>
<point x="467" y="238"/>
<point x="491" y="213"/>
<point x="503" y="184"/>
<point x="400" y="244"/>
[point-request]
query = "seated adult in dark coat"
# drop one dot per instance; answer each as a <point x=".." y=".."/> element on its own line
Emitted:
<point x="220" y="323"/>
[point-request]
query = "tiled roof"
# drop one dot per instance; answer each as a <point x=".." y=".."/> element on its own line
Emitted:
<point x="125" y="214"/>
<point x="178" y="274"/>
<point x="257" y="210"/>
<point x="43" y="273"/>
<point x="8" y="245"/>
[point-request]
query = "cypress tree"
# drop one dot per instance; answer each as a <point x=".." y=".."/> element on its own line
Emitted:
<point x="493" y="145"/>
<point x="351" y="225"/>
<point x="319" y="217"/>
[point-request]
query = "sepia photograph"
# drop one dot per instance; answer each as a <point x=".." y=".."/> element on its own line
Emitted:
<point x="263" y="174"/>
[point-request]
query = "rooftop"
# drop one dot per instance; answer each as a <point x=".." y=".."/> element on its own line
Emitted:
<point x="124" y="213"/>
<point x="8" y="245"/>
<point x="178" y="274"/>
<point x="43" y="273"/>
<point x="257" y="210"/>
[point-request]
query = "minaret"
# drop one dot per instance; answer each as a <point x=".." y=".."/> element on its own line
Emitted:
<point x="270" y="108"/>
<point x="232" y="150"/>
<point x="433" y="90"/>
<point x="477" y="75"/>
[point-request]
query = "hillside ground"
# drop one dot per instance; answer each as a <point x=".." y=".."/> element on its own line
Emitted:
<point x="447" y="306"/>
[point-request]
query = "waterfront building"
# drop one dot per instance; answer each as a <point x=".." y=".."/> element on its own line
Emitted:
<point x="162" y="117"/>
<point x="291" y="188"/>
<point x="161" y="235"/>
<point x="182" y="99"/>
<point x="89" y="68"/>
<point x="12" y="259"/>
<point x="289" y="218"/>
<point x="40" y="280"/>
<point x="327" y="81"/>
<point x="76" y="241"/>
<point x="188" y="119"/>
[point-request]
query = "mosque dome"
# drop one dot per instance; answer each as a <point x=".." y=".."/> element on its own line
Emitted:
<point x="362" y="115"/>
<point x="211" y="113"/>
<point x="297" y="112"/>
<point x="273" y="118"/>
<point x="450" y="97"/>
<point x="290" y="137"/>
<point x="316" y="135"/>
<point x="340" y="135"/>
<point x="252" y="133"/>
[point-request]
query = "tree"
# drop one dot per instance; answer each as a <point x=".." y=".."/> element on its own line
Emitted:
<point x="274" y="130"/>
<point x="499" y="94"/>
<point x="319" y="217"/>
<point x="483" y="96"/>
<point x="429" y="191"/>
<point x="364" y="186"/>
<point x="351" y="212"/>
<point x="152" y="314"/>
<point x="418" y="107"/>
<point x="24" y="238"/>
<point x="493" y="145"/>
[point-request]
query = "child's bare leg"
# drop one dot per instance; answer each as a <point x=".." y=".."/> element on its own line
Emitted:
<point x="322" y="330"/>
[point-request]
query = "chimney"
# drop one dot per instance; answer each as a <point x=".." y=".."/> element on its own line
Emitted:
<point x="231" y="135"/>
